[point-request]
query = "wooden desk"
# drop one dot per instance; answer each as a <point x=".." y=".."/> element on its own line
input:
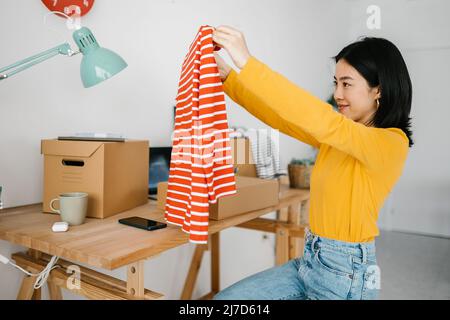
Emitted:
<point x="110" y="245"/>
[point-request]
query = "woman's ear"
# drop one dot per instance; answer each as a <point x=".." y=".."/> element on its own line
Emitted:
<point x="377" y="92"/>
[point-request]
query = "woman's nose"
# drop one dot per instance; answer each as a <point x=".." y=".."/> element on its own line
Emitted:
<point x="338" y="94"/>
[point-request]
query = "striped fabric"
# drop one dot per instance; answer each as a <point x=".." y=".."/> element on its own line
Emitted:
<point x="265" y="148"/>
<point x="266" y="154"/>
<point x="201" y="168"/>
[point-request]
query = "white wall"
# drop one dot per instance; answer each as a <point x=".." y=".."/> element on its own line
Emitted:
<point x="294" y="37"/>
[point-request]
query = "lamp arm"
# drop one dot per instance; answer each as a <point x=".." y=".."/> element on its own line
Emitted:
<point x="24" y="64"/>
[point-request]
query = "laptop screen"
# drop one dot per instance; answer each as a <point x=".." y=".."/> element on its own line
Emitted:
<point x="158" y="167"/>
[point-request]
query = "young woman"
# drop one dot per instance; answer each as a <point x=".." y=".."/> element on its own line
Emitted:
<point x="362" y="151"/>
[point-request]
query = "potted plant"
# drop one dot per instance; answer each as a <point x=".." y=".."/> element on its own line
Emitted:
<point x="299" y="171"/>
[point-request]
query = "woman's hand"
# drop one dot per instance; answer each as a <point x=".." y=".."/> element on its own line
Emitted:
<point x="224" y="68"/>
<point x="233" y="42"/>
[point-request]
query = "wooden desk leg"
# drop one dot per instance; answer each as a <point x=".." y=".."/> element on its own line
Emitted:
<point x="282" y="246"/>
<point x="54" y="291"/>
<point x="215" y="262"/>
<point x="214" y="243"/>
<point x="37" y="294"/>
<point x="304" y="213"/>
<point x="294" y="218"/>
<point x="282" y="215"/>
<point x="26" y="290"/>
<point x="193" y="272"/>
<point x="135" y="279"/>
<point x="304" y="220"/>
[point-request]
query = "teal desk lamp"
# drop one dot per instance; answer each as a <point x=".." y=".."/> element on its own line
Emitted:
<point x="97" y="65"/>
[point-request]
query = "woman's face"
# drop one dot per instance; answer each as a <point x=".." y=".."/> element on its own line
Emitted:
<point x="353" y="95"/>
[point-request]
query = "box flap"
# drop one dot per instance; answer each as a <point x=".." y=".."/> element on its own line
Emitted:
<point x="244" y="182"/>
<point x="70" y="148"/>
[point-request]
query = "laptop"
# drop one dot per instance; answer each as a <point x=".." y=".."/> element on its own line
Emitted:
<point x="159" y="166"/>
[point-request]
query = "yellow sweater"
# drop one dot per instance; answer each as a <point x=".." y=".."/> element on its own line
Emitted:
<point x="356" y="167"/>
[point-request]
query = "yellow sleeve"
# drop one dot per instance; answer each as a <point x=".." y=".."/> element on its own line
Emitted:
<point x="301" y="114"/>
<point x="257" y="106"/>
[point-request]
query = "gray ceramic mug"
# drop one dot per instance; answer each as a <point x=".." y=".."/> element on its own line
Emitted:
<point x="72" y="207"/>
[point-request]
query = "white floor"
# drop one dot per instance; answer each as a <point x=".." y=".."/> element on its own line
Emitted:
<point x="413" y="266"/>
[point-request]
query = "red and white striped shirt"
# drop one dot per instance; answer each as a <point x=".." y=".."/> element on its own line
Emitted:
<point x="201" y="169"/>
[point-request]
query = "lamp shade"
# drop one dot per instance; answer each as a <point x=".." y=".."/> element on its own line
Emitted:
<point x="98" y="64"/>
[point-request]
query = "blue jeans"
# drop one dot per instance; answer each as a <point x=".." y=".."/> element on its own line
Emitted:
<point x="329" y="269"/>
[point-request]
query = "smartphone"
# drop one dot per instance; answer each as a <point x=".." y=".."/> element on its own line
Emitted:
<point x="142" y="223"/>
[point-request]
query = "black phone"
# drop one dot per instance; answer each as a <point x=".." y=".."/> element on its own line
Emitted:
<point x="142" y="223"/>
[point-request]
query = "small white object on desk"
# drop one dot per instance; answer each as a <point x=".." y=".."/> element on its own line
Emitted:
<point x="61" y="226"/>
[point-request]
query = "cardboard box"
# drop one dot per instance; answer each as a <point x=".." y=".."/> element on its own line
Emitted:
<point x="244" y="164"/>
<point x="252" y="194"/>
<point x="114" y="174"/>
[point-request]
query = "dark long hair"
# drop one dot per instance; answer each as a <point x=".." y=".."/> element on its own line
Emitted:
<point x="380" y="62"/>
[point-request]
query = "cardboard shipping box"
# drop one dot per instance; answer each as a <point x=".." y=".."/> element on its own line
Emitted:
<point x="244" y="164"/>
<point x="114" y="174"/>
<point x="252" y="194"/>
